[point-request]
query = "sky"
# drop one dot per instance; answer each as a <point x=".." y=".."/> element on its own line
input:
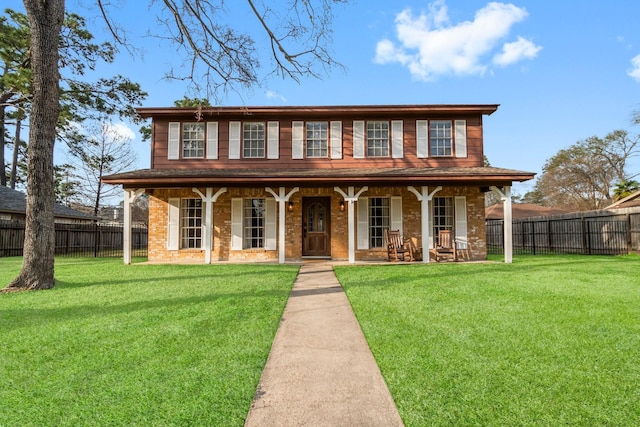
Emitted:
<point x="562" y="71"/>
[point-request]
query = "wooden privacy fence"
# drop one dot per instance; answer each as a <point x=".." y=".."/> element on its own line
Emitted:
<point x="84" y="240"/>
<point x="601" y="234"/>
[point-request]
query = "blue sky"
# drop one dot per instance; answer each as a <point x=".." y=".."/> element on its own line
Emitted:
<point x="562" y="71"/>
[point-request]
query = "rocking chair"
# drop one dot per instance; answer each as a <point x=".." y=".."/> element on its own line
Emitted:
<point x="446" y="246"/>
<point x="396" y="248"/>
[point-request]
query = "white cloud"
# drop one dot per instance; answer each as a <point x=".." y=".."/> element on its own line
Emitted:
<point x="120" y="131"/>
<point x="275" y="95"/>
<point x="635" y="71"/>
<point x="516" y="51"/>
<point x="430" y="46"/>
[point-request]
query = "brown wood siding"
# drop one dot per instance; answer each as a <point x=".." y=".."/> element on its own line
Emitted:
<point x="474" y="146"/>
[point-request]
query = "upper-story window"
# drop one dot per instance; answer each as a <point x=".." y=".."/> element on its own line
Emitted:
<point x="253" y="139"/>
<point x="377" y="139"/>
<point x="192" y="140"/>
<point x="440" y="136"/>
<point x="317" y="139"/>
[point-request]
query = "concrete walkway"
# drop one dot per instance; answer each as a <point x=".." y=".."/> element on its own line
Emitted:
<point x="320" y="371"/>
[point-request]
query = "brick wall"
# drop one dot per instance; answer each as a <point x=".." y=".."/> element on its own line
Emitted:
<point x="158" y="217"/>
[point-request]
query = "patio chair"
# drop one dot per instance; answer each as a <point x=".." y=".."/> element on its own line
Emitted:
<point x="446" y="246"/>
<point x="396" y="248"/>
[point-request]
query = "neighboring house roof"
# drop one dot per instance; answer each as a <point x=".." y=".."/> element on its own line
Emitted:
<point x="15" y="202"/>
<point x="520" y="211"/>
<point x="400" y="176"/>
<point x="631" y="201"/>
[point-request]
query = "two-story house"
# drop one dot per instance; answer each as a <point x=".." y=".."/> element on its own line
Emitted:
<point x="287" y="183"/>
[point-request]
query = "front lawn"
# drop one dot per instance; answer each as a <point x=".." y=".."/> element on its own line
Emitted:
<point x="138" y="345"/>
<point x="545" y="341"/>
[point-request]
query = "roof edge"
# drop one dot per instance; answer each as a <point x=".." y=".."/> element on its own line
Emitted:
<point x="486" y="109"/>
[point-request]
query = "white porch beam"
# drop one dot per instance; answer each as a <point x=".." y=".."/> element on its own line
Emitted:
<point x="130" y="197"/>
<point x="505" y="197"/>
<point x="209" y="199"/>
<point x="351" y="197"/>
<point x="282" y="199"/>
<point x="424" y="197"/>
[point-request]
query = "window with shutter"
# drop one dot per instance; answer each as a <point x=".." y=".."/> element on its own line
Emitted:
<point x="273" y="140"/>
<point x="212" y="140"/>
<point x="173" y="150"/>
<point x="336" y="140"/>
<point x="461" y="138"/>
<point x="234" y="140"/>
<point x="377" y="139"/>
<point x="363" y="222"/>
<point x="358" y="139"/>
<point x="173" y="224"/>
<point x="440" y="138"/>
<point x="397" y="139"/>
<point x="422" y="139"/>
<point x="253" y="140"/>
<point x="317" y="139"/>
<point x="297" y="140"/>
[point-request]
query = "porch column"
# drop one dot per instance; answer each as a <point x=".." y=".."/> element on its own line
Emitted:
<point x="424" y="198"/>
<point x="209" y="199"/>
<point x="505" y="197"/>
<point x="282" y="199"/>
<point x="130" y="196"/>
<point x="351" y="198"/>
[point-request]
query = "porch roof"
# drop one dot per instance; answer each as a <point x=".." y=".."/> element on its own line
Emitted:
<point x="173" y="178"/>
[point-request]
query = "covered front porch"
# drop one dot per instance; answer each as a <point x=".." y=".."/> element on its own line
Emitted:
<point x="339" y="217"/>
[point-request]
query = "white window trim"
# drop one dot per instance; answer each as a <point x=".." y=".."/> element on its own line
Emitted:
<point x="237" y="226"/>
<point x="173" y="224"/>
<point x="422" y="139"/>
<point x="212" y="141"/>
<point x="273" y="140"/>
<point x="173" y="149"/>
<point x="336" y="139"/>
<point x="389" y="140"/>
<point x="460" y="138"/>
<point x="297" y="140"/>
<point x="395" y="219"/>
<point x="234" y="140"/>
<point x="358" y="139"/>
<point x="397" y="139"/>
<point x="451" y="139"/>
<point x="265" y="141"/>
<point x="460" y="221"/>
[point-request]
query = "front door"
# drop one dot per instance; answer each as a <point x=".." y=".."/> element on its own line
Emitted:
<point x="316" y="236"/>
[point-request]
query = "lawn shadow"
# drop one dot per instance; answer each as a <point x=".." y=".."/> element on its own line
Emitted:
<point x="441" y="274"/>
<point x="30" y="317"/>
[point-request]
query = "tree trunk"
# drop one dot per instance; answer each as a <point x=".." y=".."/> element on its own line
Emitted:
<point x="16" y="151"/>
<point x="3" y="176"/>
<point x="45" y="21"/>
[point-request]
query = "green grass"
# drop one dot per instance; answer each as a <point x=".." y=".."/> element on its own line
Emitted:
<point x="138" y="345"/>
<point x="545" y="341"/>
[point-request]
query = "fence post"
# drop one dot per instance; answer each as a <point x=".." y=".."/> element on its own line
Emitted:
<point x="533" y="237"/>
<point x="628" y="223"/>
<point x="96" y="240"/>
